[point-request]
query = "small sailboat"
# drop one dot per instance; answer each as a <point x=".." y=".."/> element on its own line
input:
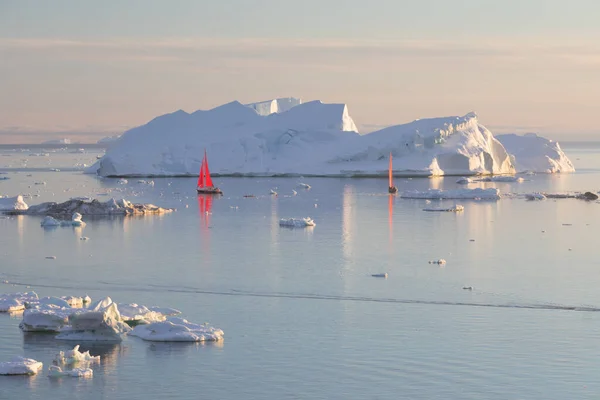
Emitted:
<point x="391" y="189"/>
<point x="205" y="183"/>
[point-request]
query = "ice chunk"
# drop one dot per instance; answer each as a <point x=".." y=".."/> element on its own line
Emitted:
<point x="57" y="372"/>
<point x="46" y="319"/>
<point x="102" y="322"/>
<point x="20" y="366"/>
<point x="478" y="193"/>
<point x="464" y="180"/>
<point x="14" y="302"/>
<point x="535" y="196"/>
<point x="441" y="261"/>
<point x="297" y="222"/>
<point x="383" y="275"/>
<point x="177" y="329"/>
<point x="94" y="207"/>
<point x="74" y="356"/>
<point x="134" y="314"/>
<point x="75" y="220"/>
<point x="13" y="203"/>
<point x="455" y="208"/>
<point x="533" y="153"/>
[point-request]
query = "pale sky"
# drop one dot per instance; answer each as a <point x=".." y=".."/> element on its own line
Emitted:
<point x="101" y="67"/>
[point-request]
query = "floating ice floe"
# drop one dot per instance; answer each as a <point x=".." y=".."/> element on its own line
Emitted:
<point x="297" y="222"/>
<point x="48" y="221"/>
<point x="383" y="275"/>
<point x="13" y="203"/>
<point x="51" y="314"/>
<point x="304" y="185"/>
<point x="14" y="302"/>
<point x="464" y="180"/>
<point x="573" y="195"/>
<point x="101" y="322"/>
<point x="134" y="314"/>
<point x="57" y="372"/>
<point x="500" y="178"/>
<point x="74" y="356"/>
<point x="455" y="208"/>
<point x="478" y="193"/>
<point x="176" y="329"/>
<point x="94" y="207"/>
<point x="20" y="366"/>
<point x="144" y="182"/>
<point x="122" y="181"/>
<point x="441" y="261"/>
<point x="535" y="196"/>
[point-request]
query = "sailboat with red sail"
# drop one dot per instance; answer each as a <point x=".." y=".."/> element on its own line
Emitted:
<point x="391" y="189"/>
<point x="205" y="183"/>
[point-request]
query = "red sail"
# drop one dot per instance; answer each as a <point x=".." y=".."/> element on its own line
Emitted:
<point x="390" y="171"/>
<point x="207" y="180"/>
<point x="201" y="180"/>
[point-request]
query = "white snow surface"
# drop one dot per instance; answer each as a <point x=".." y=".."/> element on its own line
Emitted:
<point x="478" y="193"/>
<point x="533" y="153"/>
<point x="312" y="139"/>
<point x="176" y="329"/>
<point x="140" y="314"/>
<point x="14" y="302"/>
<point x="20" y="366"/>
<point x="15" y="203"/>
<point x="297" y="222"/>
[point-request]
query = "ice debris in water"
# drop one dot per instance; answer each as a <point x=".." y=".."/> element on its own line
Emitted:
<point x="441" y="261"/>
<point x="176" y="329"/>
<point x="455" y="208"/>
<point x="122" y="181"/>
<point x="297" y="222"/>
<point x="20" y="366"/>
<point x="57" y="372"/>
<point x="95" y="207"/>
<point x="304" y="185"/>
<point x="535" y="196"/>
<point x="382" y="275"/>
<point x="48" y="221"/>
<point x="74" y="356"/>
<point x="478" y="193"/>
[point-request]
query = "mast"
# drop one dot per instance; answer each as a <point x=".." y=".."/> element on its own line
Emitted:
<point x="390" y="171"/>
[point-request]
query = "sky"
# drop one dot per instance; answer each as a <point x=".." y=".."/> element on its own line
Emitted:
<point x="88" y="69"/>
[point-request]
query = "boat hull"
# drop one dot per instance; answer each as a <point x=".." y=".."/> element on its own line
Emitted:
<point x="209" y="190"/>
<point x="392" y="189"/>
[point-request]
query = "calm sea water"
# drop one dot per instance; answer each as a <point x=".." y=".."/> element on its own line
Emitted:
<point x="302" y="316"/>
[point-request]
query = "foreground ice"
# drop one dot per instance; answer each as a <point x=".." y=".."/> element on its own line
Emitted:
<point x="74" y="356"/>
<point x="533" y="153"/>
<point x="177" y="329"/>
<point x="75" y="220"/>
<point x="13" y="302"/>
<point x="297" y="222"/>
<point x="57" y="372"/>
<point x="95" y="207"/>
<point x="20" y="366"/>
<point x="455" y="208"/>
<point x="101" y="322"/>
<point x="51" y="314"/>
<point x="257" y="142"/>
<point x="478" y="193"/>
<point x="13" y="203"/>
<point x="134" y="314"/>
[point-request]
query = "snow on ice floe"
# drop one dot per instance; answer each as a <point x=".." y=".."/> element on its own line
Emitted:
<point x="15" y="203"/>
<point x="101" y="322"/>
<point x="20" y="366"/>
<point x="57" y="372"/>
<point x="94" y="207"/>
<point x="134" y="314"/>
<point x="14" y="302"/>
<point x="533" y="153"/>
<point x="297" y="222"/>
<point x="74" y="356"/>
<point x="75" y="220"/>
<point x="258" y="141"/>
<point x="478" y="193"/>
<point x="535" y="196"/>
<point x="176" y="329"/>
<point x="51" y="314"/>
<point x="455" y="208"/>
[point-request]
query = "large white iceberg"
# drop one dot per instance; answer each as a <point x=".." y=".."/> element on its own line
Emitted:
<point x="177" y="329"/>
<point x="533" y="153"/>
<point x="20" y="366"/>
<point x="15" y="203"/>
<point x="310" y="138"/>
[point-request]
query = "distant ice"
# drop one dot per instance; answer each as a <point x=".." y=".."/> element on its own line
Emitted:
<point x="58" y="141"/>
<point x="478" y="193"/>
<point x="297" y="222"/>
<point x="74" y="356"/>
<point x="535" y="196"/>
<point x="57" y="372"/>
<point x="177" y="329"/>
<point x="455" y="208"/>
<point x="75" y="220"/>
<point x="13" y="302"/>
<point x="95" y="207"/>
<point x="20" y="366"/>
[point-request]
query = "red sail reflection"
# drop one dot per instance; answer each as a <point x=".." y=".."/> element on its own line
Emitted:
<point x="391" y="218"/>
<point x="205" y="207"/>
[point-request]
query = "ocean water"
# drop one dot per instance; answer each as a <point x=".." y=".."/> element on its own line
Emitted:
<point x="302" y="315"/>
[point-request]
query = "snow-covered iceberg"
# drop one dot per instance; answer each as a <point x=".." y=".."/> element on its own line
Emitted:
<point x="177" y="329"/>
<point x="533" y="153"/>
<point x="274" y="106"/>
<point x="15" y="203"/>
<point x="51" y="314"/>
<point x="94" y="207"/>
<point x="297" y="222"/>
<point x="478" y="193"/>
<point x="20" y="366"/>
<point x="14" y="302"/>
<point x="75" y="220"/>
<point x="102" y="322"/>
<point x="312" y="139"/>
